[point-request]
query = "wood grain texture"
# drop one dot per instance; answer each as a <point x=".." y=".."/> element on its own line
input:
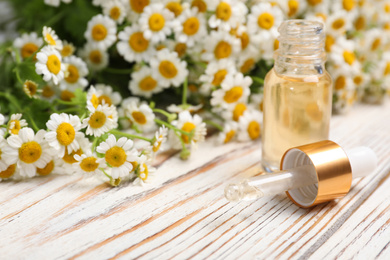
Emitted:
<point x="183" y="213"/>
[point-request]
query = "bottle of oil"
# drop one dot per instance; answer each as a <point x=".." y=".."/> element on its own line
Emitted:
<point x="297" y="92"/>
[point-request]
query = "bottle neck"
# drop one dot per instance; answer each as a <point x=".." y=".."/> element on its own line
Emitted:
<point x="301" y="48"/>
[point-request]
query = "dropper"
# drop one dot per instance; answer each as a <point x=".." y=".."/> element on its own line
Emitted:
<point x="310" y="174"/>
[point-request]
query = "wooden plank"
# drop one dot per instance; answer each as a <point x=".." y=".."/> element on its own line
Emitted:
<point x="183" y="213"/>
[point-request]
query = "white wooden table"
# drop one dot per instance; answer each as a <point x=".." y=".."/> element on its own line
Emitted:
<point x="183" y="213"/>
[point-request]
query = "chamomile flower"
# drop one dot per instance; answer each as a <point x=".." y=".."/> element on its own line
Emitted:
<point x="382" y="70"/>
<point x="264" y="20"/>
<point x="156" y="22"/>
<point x="229" y="133"/>
<point x="191" y="27"/>
<point x="168" y="69"/>
<point x="160" y="137"/>
<point x="48" y="92"/>
<point x="203" y="5"/>
<point x="144" y="172"/>
<point x="27" y="44"/>
<point x="68" y="49"/>
<point x="247" y="62"/>
<point x="295" y="7"/>
<point x="106" y="95"/>
<point x="257" y="101"/>
<point x="9" y="172"/>
<point x="118" y="155"/>
<point x="189" y="124"/>
<point x="25" y="149"/>
<point x="228" y="14"/>
<point x="63" y="132"/>
<point x="343" y="100"/>
<point x="56" y="3"/>
<point x="338" y="23"/>
<point x="215" y="74"/>
<point x="142" y="83"/>
<point x="233" y="90"/>
<point x="187" y="107"/>
<point x="88" y="163"/>
<point x="249" y="42"/>
<point x="115" y="9"/>
<point x="15" y="124"/>
<point x="3" y="164"/>
<point x="51" y="38"/>
<point x="133" y="46"/>
<point x="250" y="125"/>
<point x="135" y="9"/>
<point x="374" y="40"/>
<point x="31" y="89"/>
<point x="175" y="6"/>
<point x="99" y="120"/>
<point x="96" y="58"/>
<point x="343" y="55"/>
<point x="141" y="116"/>
<point x="75" y="73"/>
<point x="50" y="65"/>
<point x="101" y="32"/>
<point x="233" y="113"/>
<point x="220" y="45"/>
<point x="349" y="6"/>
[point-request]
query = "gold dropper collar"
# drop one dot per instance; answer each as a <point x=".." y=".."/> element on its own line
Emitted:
<point x="333" y="170"/>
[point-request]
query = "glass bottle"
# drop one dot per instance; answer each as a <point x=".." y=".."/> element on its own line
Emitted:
<point x="297" y="92"/>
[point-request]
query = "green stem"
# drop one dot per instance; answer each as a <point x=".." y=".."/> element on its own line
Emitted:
<point x="163" y="112"/>
<point x="258" y="80"/>
<point x="118" y="71"/>
<point x="130" y="136"/>
<point x="55" y="19"/>
<point x="218" y="126"/>
<point x="160" y="122"/>
<point x="184" y="97"/>
<point x="12" y="100"/>
<point x="33" y="124"/>
<point x="18" y="76"/>
<point x="106" y="173"/>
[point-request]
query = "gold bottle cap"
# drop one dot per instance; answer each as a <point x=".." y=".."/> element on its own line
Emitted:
<point x="332" y="167"/>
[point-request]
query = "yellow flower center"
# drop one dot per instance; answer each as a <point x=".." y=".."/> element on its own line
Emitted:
<point x="360" y="23"/>
<point x="338" y="23"/>
<point x="387" y="69"/>
<point x="349" y="57"/>
<point x="156" y="146"/>
<point x="238" y="111"/>
<point x="187" y="127"/>
<point x="89" y="164"/>
<point x="219" y="76"/>
<point x="358" y="80"/>
<point x="261" y="106"/>
<point x="116" y="156"/>
<point x="47" y="169"/>
<point x="7" y="173"/>
<point x="175" y="8"/>
<point x="348" y="4"/>
<point x="293" y="7"/>
<point x="160" y="46"/>
<point x="276" y="44"/>
<point x="191" y="26"/>
<point x="314" y="112"/>
<point x="321" y="15"/>
<point x="247" y="65"/>
<point x="222" y="50"/>
<point x="138" y="43"/>
<point x="200" y="4"/>
<point x="148" y="83"/>
<point x="15" y="127"/>
<point x="253" y="130"/>
<point x="97" y="119"/>
<point x="53" y="64"/>
<point x="69" y="157"/>
<point x="28" y="49"/>
<point x="115" y="13"/>
<point x="265" y="21"/>
<point x="340" y="83"/>
<point x="67" y="50"/>
<point x="95" y="57"/>
<point x="314" y="2"/>
<point x="65" y="133"/>
<point x="223" y="11"/>
<point x="180" y="49"/>
<point x="66" y="95"/>
<point x="47" y="91"/>
<point x="139" y="117"/>
<point x="30" y="88"/>
<point x="95" y="101"/>
<point x="156" y="22"/>
<point x="244" y="40"/>
<point x="192" y="87"/>
<point x="386" y="26"/>
<point x="233" y="94"/>
<point x="30" y="152"/>
<point x="229" y="136"/>
<point x="144" y="174"/>
<point x="99" y="32"/>
<point x="50" y="40"/>
<point x="106" y="99"/>
<point x="387" y="8"/>
<point x="73" y="74"/>
<point x="375" y="44"/>
<point x="138" y="5"/>
<point x="167" y="69"/>
<point x="329" y="41"/>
